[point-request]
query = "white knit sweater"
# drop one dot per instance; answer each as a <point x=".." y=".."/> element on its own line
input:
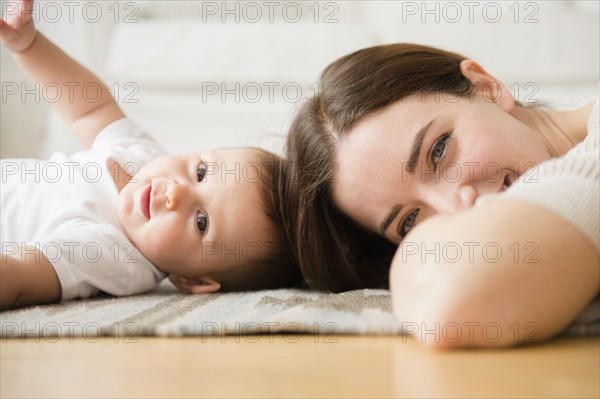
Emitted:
<point x="568" y="185"/>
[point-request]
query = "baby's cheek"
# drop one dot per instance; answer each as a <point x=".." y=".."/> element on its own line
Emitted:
<point x="430" y="227"/>
<point x="167" y="244"/>
<point x="158" y="248"/>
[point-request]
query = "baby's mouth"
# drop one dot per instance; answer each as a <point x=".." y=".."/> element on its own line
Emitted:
<point x="145" y="201"/>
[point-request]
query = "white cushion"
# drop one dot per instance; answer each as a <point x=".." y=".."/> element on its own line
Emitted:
<point x="185" y="52"/>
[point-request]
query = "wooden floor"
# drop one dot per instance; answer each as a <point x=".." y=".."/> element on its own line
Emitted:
<point x="293" y="366"/>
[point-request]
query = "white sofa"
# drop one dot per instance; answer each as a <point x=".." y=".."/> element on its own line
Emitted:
<point x="169" y="61"/>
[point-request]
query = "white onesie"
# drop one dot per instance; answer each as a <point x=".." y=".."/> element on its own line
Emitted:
<point x="67" y="207"/>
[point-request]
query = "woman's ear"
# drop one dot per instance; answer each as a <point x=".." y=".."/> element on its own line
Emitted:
<point x="491" y="88"/>
<point x="201" y="285"/>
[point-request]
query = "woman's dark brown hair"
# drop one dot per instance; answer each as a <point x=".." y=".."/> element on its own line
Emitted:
<point x="334" y="253"/>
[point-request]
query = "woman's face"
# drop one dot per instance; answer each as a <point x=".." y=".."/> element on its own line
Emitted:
<point x="428" y="155"/>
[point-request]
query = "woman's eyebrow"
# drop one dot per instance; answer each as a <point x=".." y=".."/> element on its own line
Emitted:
<point x="389" y="219"/>
<point x="411" y="165"/>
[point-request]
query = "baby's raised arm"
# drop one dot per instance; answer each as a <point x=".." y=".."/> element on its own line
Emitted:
<point x="44" y="62"/>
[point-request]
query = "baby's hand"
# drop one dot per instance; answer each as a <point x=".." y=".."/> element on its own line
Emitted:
<point x="17" y="30"/>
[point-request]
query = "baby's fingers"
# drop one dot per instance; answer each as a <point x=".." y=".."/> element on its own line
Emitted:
<point x="26" y="11"/>
<point x="18" y="13"/>
<point x="17" y="30"/>
<point x="7" y="33"/>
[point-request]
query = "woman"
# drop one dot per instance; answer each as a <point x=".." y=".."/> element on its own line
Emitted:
<point x="401" y="133"/>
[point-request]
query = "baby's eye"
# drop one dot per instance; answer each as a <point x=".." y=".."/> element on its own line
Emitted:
<point x="439" y="148"/>
<point x="201" y="171"/>
<point x="407" y="223"/>
<point x="202" y="222"/>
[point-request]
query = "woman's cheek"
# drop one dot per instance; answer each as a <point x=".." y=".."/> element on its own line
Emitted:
<point x="480" y="167"/>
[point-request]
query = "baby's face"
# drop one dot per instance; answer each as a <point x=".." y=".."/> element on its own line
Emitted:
<point x="195" y="213"/>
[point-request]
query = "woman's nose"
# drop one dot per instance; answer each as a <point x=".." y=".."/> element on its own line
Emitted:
<point x="174" y="194"/>
<point x="455" y="198"/>
<point x="466" y="196"/>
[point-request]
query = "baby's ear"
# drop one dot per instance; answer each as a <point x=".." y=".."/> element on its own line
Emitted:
<point x="201" y="285"/>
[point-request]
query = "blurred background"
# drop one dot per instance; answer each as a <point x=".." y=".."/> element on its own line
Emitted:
<point x="207" y="74"/>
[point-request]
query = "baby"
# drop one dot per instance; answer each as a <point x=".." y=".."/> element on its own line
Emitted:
<point x="122" y="215"/>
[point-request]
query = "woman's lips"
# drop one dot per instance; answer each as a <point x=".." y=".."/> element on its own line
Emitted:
<point x="506" y="183"/>
<point x="145" y="201"/>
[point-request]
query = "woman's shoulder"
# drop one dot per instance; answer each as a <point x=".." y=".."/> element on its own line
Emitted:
<point x="590" y="146"/>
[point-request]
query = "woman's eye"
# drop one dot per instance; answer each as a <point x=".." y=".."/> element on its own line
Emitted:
<point x="439" y="148"/>
<point x="407" y="223"/>
<point x="202" y="222"/>
<point x="201" y="171"/>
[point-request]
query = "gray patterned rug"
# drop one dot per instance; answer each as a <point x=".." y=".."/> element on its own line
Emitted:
<point x="166" y="312"/>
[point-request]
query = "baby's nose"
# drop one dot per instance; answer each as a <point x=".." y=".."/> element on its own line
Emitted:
<point x="174" y="193"/>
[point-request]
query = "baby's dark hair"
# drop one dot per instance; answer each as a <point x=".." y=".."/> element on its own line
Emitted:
<point x="274" y="265"/>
